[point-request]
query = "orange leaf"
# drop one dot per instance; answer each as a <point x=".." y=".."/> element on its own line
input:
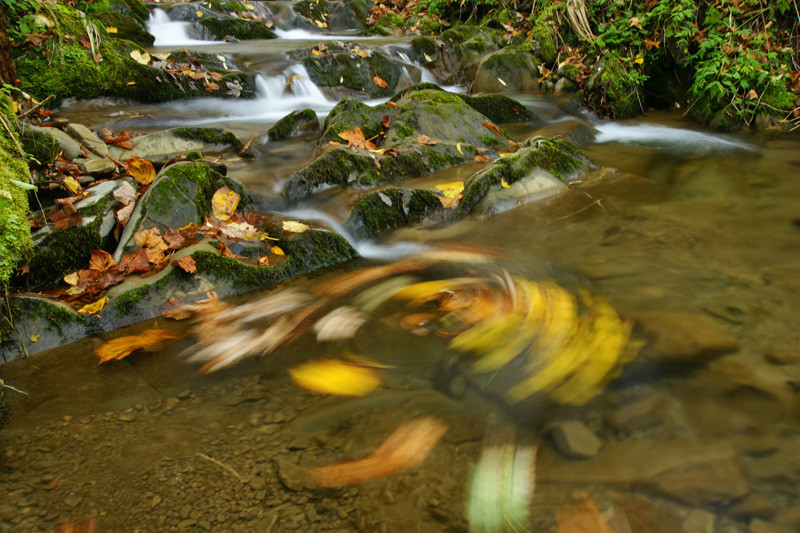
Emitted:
<point x="224" y="202"/>
<point x="355" y="138"/>
<point x="317" y="52"/>
<point x="187" y="264"/>
<point x="480" y="158"/>
<point x="379" y="82"/>
<point x="391" y="104"/>
<point x="101" y="261"/>
<point x="385" y="122"/>
<point x="142" y="170"/>
<point x="227" y="251"/>
<point x="151" y="340"/>
<point x="211" y="86"/>
<point x="494" y="128"/>
<point x="424" y="139"/>
<point x="263" y="261"/>
<point x="406" y="448"/>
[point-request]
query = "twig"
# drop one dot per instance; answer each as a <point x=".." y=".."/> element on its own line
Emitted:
<point x="37" y="106"/>
<point x="14" y="389"/>
<point x="11" y="133"/>
<point x="596" y="202"/>
<point x="10" y="320"/>
<point x="224" y="466"/>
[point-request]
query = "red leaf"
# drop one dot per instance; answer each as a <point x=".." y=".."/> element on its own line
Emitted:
<point x="494" y="128"/>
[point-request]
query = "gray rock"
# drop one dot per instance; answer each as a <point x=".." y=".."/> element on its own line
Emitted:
<point x="99" y="168"/>
<point x="683" y="338"/>
<point x="699" y="521"/>
<point x="294" y="477"/>
<point x="164" y="145"/>
<point x="701" y="483"/>
<point x="574" y="440"/>
<point x="87" y="138"/>
<point x="755" y="505"/>
<point x="539" y="184"/>
<point x="67" y="144"/>
<point x="508" y="69"/>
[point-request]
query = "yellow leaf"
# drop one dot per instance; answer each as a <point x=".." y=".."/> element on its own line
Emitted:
<point x="142" y="170"/>
<point x="639" y="59"/>
<point x="317" y="52"/>
<point x="330" y="376"/>
<point x="72" y="279"/>
<point x="458" y="147"/>
<point x="504" y="184"/>
<point x="294" y="226"/>
<point x="111" y="29"/>
<point x="94" y="307"/>
<point x="151" y="339"/>
<point x="199" y="14"/>
<point x="277" y="250"/>
<point x="224" y="202"/>
<point x="451" y="190"/>
<point x="72" y="184"/>
<point x="131" y="83"/>
<point x="35" y="338"/>
<point x="292" y="78"/>
<point x="140" y="57"/>
<point x="356" y="139"/>
<point x="15" y="106"/>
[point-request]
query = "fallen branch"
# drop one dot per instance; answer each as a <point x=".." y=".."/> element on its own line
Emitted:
<point x="224" y="466"/>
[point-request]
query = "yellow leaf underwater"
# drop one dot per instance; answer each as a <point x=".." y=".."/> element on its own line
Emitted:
<point x="151" y="339"/>
<point x="330" y="376"/>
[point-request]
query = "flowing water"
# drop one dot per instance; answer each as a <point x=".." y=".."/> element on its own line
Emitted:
<point x="695" y="231"/>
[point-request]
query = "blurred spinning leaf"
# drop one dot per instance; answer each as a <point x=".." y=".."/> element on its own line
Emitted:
<point x="330" y="376"/>
<point x="151" y="339"/>
<point x="406" y="448"/>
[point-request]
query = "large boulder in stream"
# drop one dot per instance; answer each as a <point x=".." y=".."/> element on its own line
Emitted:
<point x="541" y="167"/>
<point x="508" y="69"/>
<point x="454" y="58"/>
<point x="220" y="28"/>
<point x="334" y="15"/>
<point x="390" y="208"/>
<point x="162" y="146"/>
<point x="180" y="194"/>
<point x="422" y="132"/>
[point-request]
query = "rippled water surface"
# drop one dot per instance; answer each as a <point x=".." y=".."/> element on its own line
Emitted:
<point x="691" y="234"/>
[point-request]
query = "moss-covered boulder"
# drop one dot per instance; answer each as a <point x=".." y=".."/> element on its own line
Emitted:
<point x="540" y="165"/>
<point x="58" y="251"/>
<point x="219" y="28"/>
<point x="126" y="27"/>
<point x="64" y="68"/>
<point x="543" y="41"/>
<point x="375" y="76"/>
<point x="333" y="15"/>
<point x="161" y="146"/>
<point x="300" y="123"/>
<point x="611" y="90"/>
<point x="40" y="146"/>
<point x="425" y="131"/>
<point x="15" y="235"/>
<point x="41" y="324"/>
<point x="508" y="69"/>
<point x="390" y="208"/>
<point x="180" y="194"/>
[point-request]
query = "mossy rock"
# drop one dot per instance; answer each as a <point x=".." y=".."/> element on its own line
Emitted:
<point x="543" y="41"/>
<point x="226" y="6"/>
<point x="312" y="9"/>
<point x="52" y="323"/>
<point x="457" y="132"/>
<point x="219" y="28"/>
<point x="15" y="233"/>
<point x="556" y="157"/>
<point x="300" y="123"/>
<point x="388" y="209"/>
<point x="40" y="146"/>
<point x="346" y="69"/>
<point x="499" y="108"/>
<point x="423" y="49"/>
<point x="180" y="194"/>
<point x="611" y="91"/>
<point x="508" y="69"/>
<point x="348" y="15"/>
<point x="162" y="146"/>
<point x="73" y="73"/>
<point x="127" y="27"/>
<point x="131" y="8"/>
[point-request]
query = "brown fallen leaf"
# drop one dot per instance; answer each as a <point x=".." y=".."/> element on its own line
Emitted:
<point x="385" y="122"/>
<point x="101" y="261"/>
<point x="187" y="264"/>
<point x="224" y="250"/>
<point x="391" y="104"/>
<point x="380" y="82"/>
<point x="494" y="128"/>
<point x="424" y="139"/>
<point x="480" y="158"/>
<point x="142" y="170"/>
<point x="355" y="138"/>
<point x="406" y="448"/>
<point x="150" y="340"/>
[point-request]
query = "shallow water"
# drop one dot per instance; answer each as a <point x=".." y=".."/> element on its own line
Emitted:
<point x="702" y="226"/>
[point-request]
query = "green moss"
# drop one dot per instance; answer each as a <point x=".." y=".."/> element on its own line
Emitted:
<point x="346" y="115"/>
<point x="207" y="135"/>
<point x="312" y="9"/>
<point x="126" y="303"/>
<point x="40" y="146"/>
<point x="458" y="34"/>
<point x="372" y="215"/>
<point x="63" y="252"/>
<point x="336" y="167"/>
<point x="612" y="90"/>
<point x="440" y="103"/>
<point x="499" y="108"/>
<point x="194" y="155"/>
<point x="294" y="123"/>
<point x="236" y="27"/>
<point x="424" y="86"/>
<point x="543" y="41"/>
<point x="422" y="46"/>
<point x="391" y="21"/>
<point x="401" y="130"/>
<point x="127" y="27"/>
<point x="15" y="234"/>
<point x="356" y="73"/>
<point x="491" y="141"/>
<point x="225" y="6"/>
<point x="428" y="26"/>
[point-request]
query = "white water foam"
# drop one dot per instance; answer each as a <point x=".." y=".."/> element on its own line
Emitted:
<point x="664" y="137"/>
<point x="169" y="32"/>
<point x="369" y="249"/>
<point x="298" y="34"/>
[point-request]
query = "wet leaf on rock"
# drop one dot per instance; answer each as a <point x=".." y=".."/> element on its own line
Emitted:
<point x="380" y="82"/>
<point x="94" y="307"/>
<point x="355" y="139"/>
<point x="140" y="57"/>
<point x="187" y="264"/>
<point x="142" y="170"/>
<point x="150" y="340"/>
<point x="424" y="139"/>
<point x="224" y="203"/>
<point x="493" y="128"/>
<point x="294" y="226"/>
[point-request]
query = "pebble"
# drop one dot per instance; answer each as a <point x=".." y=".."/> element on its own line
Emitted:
<point x="126" y="418"/>
<point x="760" y="526"/>
<point x="574" y="440"/>
<point x="184" y="394"/>
<point x="73" y="501"/>
<point x="753" y="506"/>
<point x="184" y="524"/>
<point x="783" y="357"/>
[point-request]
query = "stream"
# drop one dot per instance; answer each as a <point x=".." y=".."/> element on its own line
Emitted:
<point x="694" y="231"/>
